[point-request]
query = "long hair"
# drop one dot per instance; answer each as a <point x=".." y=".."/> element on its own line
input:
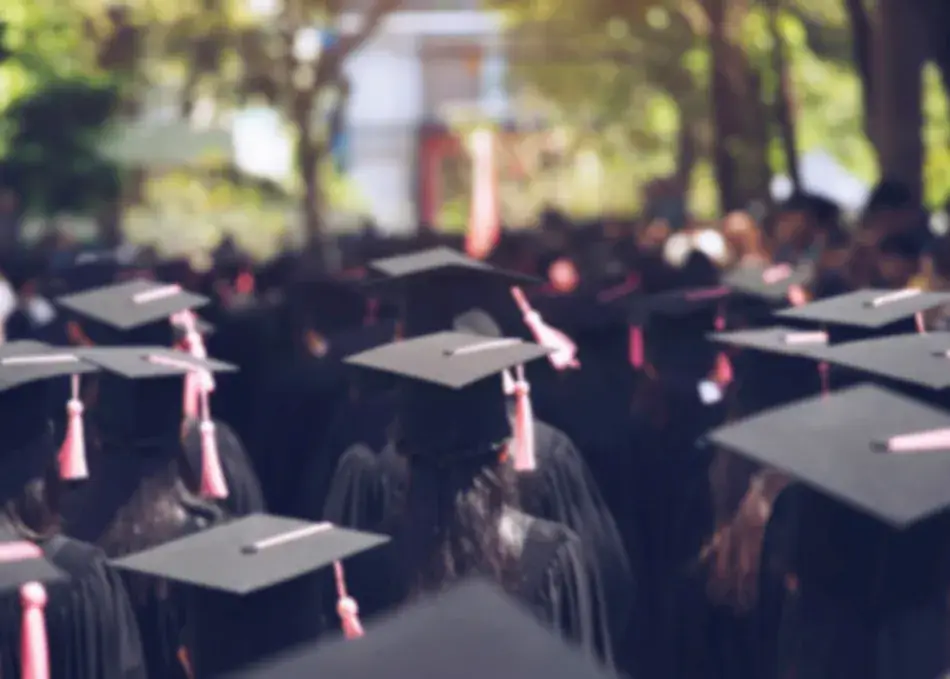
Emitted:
<point x="446" y="519"/>
<point x="733" y="554"/>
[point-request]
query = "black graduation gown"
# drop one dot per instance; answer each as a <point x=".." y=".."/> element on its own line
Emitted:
<point x="870" y="602"/>
<point x="556" y="578"/>
<point x="90" y="624"/>
<point x="244" y="490"/>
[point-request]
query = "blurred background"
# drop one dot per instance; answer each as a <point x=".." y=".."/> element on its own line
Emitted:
<point x="177" y="123"/>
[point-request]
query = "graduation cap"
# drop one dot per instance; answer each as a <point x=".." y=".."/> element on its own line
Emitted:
<point x="453" y="397"/>
<point x="142" y="394"/>
<point x="778" y="339"/>
<point x="134" y="308"/>
<point x="919" y="359"/>
<point x="25" y="370"/>
<point x="854" y="446"/>
<point x="25" y="569"/>
<point x="774" y="285"/>
<point x="470" y="632"/>
<point x="868" y="312"/>
<point x="433" y="286"/>
<point x="254" y="554"/>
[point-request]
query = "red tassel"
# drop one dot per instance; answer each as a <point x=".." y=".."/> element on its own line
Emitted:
<point x="346" y="606"/>
<point x="34" y="646"/>
<point x="72" y="454"/>
<point x="213" y="483"/>
<point x="523" y="441"/>
<point x="564" y="351"/>
<point x="635" y="351"/>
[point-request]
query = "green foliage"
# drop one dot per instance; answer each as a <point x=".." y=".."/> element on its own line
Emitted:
<point x="52" y="160"/>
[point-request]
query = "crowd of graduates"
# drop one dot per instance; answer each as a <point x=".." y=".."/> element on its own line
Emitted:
<point x="651" y="443"/>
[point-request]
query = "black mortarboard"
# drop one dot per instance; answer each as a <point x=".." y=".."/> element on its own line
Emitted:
<point x="922" y="359"/>
<point x="778" y="339"/>
<point x="247" y="581"/>
<point x="249" y="554"/>
<point x="26" y="445"/>
<point x="452" y="399"/>
<point x="871" y="311"/>
<point x="770" y="284"/>
<point x="470" y="632"/>
<point x="23" y="562"/>
<point x="434" y="286"/>
<point x="140" y="394"/>
<point x="135" y="307"/>
<point x="838" y="445"/>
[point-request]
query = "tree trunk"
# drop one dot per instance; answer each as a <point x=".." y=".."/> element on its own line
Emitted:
<point x="740" y="134"/>
<point x="933" y="17"/>
<point x="898" y="63"/>
<point x="311" y="208"/>
<point x="862" y="47"/>
<point x="784" y="110"/>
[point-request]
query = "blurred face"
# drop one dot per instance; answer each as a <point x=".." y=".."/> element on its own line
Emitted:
<point x="896" y="271"/>
<point x="653" y="235"/>
<point x="741" y="234"/>
<point x="792" y="229"/>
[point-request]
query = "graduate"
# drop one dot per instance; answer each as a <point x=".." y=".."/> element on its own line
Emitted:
<point x="433" y="289"/>
<point x="77" y="621"/>
<point x="250" y="609"/>
<point x="450" y="494"/>
<point x="142" y="492"/>
<point x="864" y="534"/>
<point x="147" y="313"/>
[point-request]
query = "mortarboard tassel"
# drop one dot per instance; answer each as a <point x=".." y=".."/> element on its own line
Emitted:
<point x="213" y="484"/>
<point x="346" y="606"/>
<point x="72" y="454"/>
<point x="918" y="442"/>
<point x="372" y="312"/>
<point x="34" y="646"/>
<point x="523" y="439"/>
<point x="920" y="323"/>
<point x="195" y="382"/>
<point x="723" y="374"/>
<point x="635" y="350"/>
<point x="564" y="350"/>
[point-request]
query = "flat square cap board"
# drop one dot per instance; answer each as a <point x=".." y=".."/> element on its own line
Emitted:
<point x="914" y="358"/>
<point x="768" y="283"/>
<point x="132" y="304"/>
<point x="435" y="263"/>
<point x="148" y="362"/>
<point x="449" y="359"/>
<point x="473" y="631"/>
<point x="778" y="339"/>
<point x="837" y="445"/>
<point x="250" y="554"/>
<point x="22" y="562"/>
<point x="25" y="362"/>
<point x="871" y="309"/>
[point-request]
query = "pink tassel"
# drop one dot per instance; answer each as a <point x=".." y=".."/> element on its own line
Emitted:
<point x="564" y="350"/>
<point x="919" y="442"/>
<point x="213" y="484"/>
<point x="523" y="440"/>
<point x="372" y="312"/>
<point x="346" y="606"/>
<point x="797" y="295"/>
<point x="635" y="351"/>
<point x="724" y="374"/>
<point x="824" y="374"/>
<point x="72" y="454"/>
<point x="34" y="651"/>
<point x="920" y="323"/>
<point x="35" y="647"/>
<point x="195" y="382"/>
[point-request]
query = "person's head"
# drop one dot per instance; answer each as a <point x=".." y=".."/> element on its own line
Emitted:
<point x="794" y="226"/>
<point x="743" y="235"/>
<point x="899" y="258"/>
<point x="891" y="208"/>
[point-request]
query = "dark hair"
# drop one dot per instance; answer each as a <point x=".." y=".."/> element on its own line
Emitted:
<point x="34" y="512"/>
<point x="447" y="518"/>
